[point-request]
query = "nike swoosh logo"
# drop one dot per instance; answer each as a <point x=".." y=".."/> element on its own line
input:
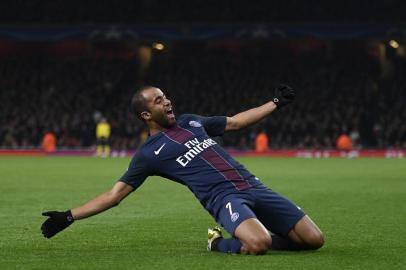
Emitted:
<point x="159" y="149"/>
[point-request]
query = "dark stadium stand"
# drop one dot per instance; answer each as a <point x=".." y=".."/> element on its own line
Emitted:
<point x="342" y="90"/>
<point x="156" y="11"/>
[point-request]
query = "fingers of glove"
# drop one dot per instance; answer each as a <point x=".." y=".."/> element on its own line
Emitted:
<point x="49" y="233"/>
<point x="49" y="213"/>
<point x="289" y="94"/>
<point x="284" y="86"/>
<point x="287" y="90"/>
<point x="49" y="228"/>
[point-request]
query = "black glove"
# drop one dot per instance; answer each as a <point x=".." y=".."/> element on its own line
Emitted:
<point x="56" y="222"/>
<point x="283" y="95"/>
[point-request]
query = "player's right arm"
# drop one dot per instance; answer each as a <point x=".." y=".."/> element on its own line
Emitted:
<point x="103" y="202"/>
<point x="137" y="172"/>
<point x="58" y="221"/>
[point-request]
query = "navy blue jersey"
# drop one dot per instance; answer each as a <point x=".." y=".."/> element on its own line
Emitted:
<point x="187" y="154"/>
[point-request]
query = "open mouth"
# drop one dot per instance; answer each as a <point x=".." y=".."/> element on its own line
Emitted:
<point x="170" y="113"/>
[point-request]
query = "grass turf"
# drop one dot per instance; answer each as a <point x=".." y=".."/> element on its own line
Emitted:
<point x="360" y="204"/>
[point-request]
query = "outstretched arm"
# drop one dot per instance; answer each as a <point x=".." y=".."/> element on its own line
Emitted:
<point x="59" y="221"/>
<point x="102" y="202"/>
<point x="249" y="117"/>
<point x="283" y="96"/>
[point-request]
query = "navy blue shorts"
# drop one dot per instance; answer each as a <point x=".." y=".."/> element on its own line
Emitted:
<point x="278" y="214"/>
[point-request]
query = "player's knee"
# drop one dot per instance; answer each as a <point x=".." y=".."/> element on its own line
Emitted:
<point x="259" y="245"/>
<point x="315" y="240"/>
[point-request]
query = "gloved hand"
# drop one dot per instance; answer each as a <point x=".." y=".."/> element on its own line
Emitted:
<point x="283" y="95"/>
<point x="56" y="222"/>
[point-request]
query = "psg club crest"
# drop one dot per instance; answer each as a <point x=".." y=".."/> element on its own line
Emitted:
<point x="235" y="216"/>
<point x="195" y="124"/>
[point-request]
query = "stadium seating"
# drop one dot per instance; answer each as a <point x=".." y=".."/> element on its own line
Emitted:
<point x="147" y="11"/>
<point x="337" y="93"/>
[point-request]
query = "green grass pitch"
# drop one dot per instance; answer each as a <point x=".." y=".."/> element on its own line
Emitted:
<point x="360" y="205"/>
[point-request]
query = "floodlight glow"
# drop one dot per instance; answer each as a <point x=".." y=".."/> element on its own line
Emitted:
<point x="394" y="44"/>
<point x="158" y="46"/>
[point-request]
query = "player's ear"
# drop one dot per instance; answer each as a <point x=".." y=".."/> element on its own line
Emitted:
<point x="146" y="115"/>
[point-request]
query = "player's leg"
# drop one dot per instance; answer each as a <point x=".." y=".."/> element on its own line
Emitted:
<point x="293" y="229"/>
<point x="254" y="237"/>
<point x="304" y="236"/>
<point x="99" y="147"/>
<point x="216" y="242"/>
<point x="107" y="148"/>
<point x="307" y="233"/>
<point x="250" y="235"/>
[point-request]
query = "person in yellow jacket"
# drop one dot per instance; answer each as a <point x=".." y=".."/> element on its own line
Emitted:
<point x="103" y="132"/>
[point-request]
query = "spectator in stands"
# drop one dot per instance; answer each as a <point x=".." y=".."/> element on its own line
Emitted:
<point x="37" y="91"/>
<point x="261" y="142"/>
<point x="49" y="142"/>
<point x="344" y="143"/>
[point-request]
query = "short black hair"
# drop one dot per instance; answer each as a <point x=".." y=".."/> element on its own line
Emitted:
<point x="138" y="104"/>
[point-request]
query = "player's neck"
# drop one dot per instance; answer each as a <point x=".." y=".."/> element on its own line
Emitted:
<point x="154" y="129"/>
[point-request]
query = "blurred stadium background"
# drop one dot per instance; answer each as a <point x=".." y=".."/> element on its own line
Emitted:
<point x="67" y="64"/>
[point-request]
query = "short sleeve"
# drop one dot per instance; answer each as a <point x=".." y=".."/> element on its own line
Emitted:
<point x="214" y="125"/>
<point x="137" y="172"/>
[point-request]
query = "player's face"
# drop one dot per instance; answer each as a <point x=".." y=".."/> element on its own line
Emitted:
<point x="160" y="107"/>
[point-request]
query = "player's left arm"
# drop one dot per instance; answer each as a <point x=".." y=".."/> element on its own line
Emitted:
<point x="283" y="96"/>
